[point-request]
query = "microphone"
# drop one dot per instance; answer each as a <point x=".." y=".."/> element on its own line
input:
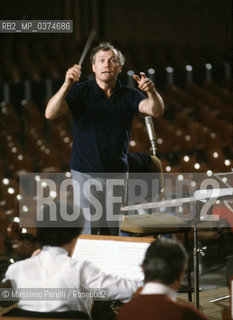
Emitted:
<point x="151" y="133"/>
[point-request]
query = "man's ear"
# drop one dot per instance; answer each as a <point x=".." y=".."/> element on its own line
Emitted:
<point x="181" y="276"/>
<point x="93" y="67"/>
<point x="177" y="283"/>
<point x="120" y="69"/>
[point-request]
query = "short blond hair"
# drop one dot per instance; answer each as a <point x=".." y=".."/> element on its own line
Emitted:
<point x="107" y="46"/>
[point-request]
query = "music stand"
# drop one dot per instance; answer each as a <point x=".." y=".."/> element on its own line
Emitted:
<point x="197" y="197"/>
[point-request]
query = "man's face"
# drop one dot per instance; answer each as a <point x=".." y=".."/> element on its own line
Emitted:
<point x="106" y="66"/>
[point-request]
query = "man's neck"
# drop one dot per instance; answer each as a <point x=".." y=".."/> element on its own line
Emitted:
<point x="107" y="87"/>
<point x="155" y="287"/>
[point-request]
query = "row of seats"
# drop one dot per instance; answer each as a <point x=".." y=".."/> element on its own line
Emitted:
<point x="50" y="57"/>
<point x="197" y="125"/>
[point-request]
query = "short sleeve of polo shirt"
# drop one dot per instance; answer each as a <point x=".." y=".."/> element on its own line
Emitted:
<point x="137" y="97"/>
<point x="74" y="96"/>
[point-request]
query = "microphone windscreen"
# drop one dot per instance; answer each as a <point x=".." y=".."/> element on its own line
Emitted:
<point x="150" y="127"/>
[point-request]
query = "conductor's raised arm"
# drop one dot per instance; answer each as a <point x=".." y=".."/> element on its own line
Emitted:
<point x="153" y="105"/>
<point x="57" y="105"/>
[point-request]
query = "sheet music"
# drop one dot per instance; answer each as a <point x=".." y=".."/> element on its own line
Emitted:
<point x="121" y="258"/>
<point x="127" y="260"/>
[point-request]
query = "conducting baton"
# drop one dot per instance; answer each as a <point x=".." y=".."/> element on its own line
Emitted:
<point x="87" y="46"/>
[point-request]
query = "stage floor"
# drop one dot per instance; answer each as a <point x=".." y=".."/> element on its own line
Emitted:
<point x="211" y="310"/>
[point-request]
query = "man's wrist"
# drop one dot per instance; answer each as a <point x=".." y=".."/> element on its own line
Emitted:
<point x="152" y="91"/>
<point x="67" y="85"/>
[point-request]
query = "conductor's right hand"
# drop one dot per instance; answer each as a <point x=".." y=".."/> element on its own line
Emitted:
<point x="73" y="74"/>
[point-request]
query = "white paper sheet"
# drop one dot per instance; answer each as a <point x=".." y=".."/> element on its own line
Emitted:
<point x="115" y="257"/>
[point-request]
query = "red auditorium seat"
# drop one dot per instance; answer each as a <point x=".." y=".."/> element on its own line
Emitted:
<point x="216" y="160"/>
<point x="31" y="115"/>
<point x="9" y="120"/>
<point x="4" y="221"/>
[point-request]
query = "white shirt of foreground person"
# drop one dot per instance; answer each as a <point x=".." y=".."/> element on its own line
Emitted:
<point x="52" y="268"/>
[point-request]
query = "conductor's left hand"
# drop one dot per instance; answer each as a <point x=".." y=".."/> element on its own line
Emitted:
<point x="144" y="83"/>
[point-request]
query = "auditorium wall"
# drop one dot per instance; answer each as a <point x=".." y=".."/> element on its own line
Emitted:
<point x="170" y="23"/>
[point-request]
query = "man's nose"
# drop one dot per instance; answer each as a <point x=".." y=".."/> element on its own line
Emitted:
<point x="107" y="63"/>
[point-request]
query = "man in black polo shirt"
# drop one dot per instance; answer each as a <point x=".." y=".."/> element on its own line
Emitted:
<point x="102" y="111"/>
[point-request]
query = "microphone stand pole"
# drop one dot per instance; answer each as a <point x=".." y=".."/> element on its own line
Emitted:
<point x="153" y="148"/>
<point x="196" y="252"/>
<point x="196" y="267"/>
